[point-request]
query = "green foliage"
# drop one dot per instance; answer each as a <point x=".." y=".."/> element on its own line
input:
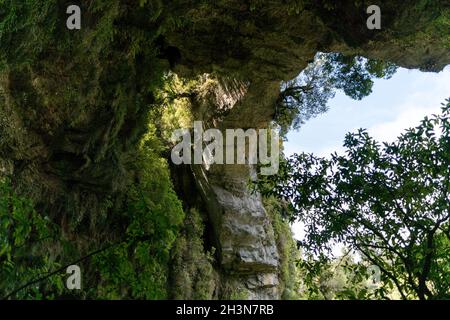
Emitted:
<point x="31" y="28"/>
<point x="239" y="294"/>
<point x="26" y="29"/>
<point x="295" y="7"/>
<point x="193" y="276"/>
<point x="131" y="262"/>
<point x="324" y="280"/>
<point x="388" y="202"/>
<point x="174" y="105"/>
<point x="307" y="95"/>
<point x="340" y="278"/>
<point x="435" y="30"/>
<point x="290" y="276"/>
<point x="98" y="82"/>
<point x="24" y="236"/>
<point x="138" y="267"/>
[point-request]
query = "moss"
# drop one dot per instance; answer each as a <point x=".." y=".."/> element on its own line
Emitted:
<point x="75" y="133"/>
<point x="138" y="267"/>
<point x="78" y="99"/>
<point x="134" y="235"/>
<point x="79" y="102"/>
<point x="239" y="294"/>
<point x="233" y="288"/>
<point x="289" y="274"/>
<point x="193" y="276"/>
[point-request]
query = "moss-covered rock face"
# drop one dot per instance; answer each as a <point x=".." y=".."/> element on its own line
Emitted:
<point x="275" y="40"/>
<point x="193" y="274"/>
<point x="74" y="105"/>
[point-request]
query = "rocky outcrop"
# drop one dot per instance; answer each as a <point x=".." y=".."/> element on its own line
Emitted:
<point x="262" y="49"/>
<point x="245" y="241"/>
<point x="73" y="105"/>
<point x="261" y="41"/>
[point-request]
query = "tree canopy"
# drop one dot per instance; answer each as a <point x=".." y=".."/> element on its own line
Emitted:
<point x="390" y="202"/>
<point x="307" y="95"/>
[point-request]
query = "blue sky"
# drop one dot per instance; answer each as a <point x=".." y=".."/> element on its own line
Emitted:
<point x="394" y="105"/>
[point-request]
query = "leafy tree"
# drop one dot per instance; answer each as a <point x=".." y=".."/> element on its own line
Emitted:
<point x="339" y="278"/>
<point x="307" y="95"/>
<point x="390" y="202"/>
<point x="131" y="262"/>
<point x="25" y="237"/>
<point x="137" y="265"/>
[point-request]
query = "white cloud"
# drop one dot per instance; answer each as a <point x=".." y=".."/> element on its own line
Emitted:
<point x="411" y="117"/>
<point x="415" y="106"/>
